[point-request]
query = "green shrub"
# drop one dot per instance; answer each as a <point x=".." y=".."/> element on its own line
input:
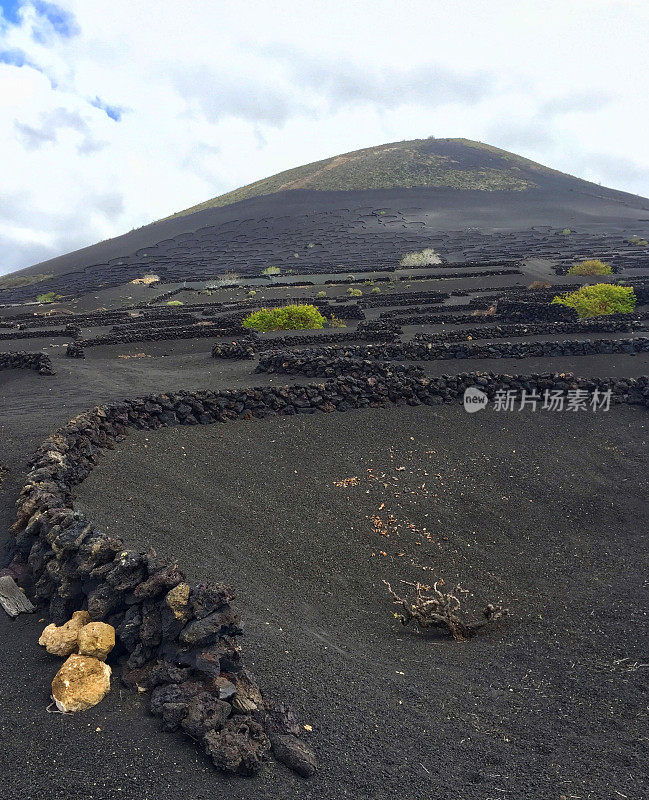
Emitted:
<point x="285" y="318"/>
<point x="638" y="240"/>
<point x="376" y="290"/>
<point x="252" y="293"/>
<point x="566" y="231"/>
<point x="175" y="303"/>
<point x="599" y="299"/>
<point x="423" y="259"/>
<point x="321" y="293"/>
<point x="336" y="322"/>
<point x="270" y="271"/>
<point x="354" y="292"/>
<point x="48" y="297"/>
<point x="591" y="267"/>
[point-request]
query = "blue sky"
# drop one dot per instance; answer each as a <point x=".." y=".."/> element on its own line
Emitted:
<point x="113" y="114"/>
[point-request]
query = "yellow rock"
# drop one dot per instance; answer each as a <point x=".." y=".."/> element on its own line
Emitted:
<point x="177" y="599"/>
<point x="81" y="683"/>
<point x="62" y="641"/>
<point x="96" y="639"/>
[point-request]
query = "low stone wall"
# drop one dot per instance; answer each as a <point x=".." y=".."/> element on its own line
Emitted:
<point x="402" y="298"/>
<point x="180" y="640"/>
<point x="21" y="360"/>
<point x="33" y="334"/>
<point x="597" y="325"/>
<point x="162" y="334"/>
<point x="246" y="347"/>
<point x="282" y="361"/>
<point x="325" y="366"/>
<point x="527" y="311"/>
<point x="143" y="324"/>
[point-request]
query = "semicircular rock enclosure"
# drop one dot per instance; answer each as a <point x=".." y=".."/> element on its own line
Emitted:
<point x="179" y="642"/>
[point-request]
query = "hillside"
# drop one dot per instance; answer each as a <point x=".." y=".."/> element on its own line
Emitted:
<point x="435" y="163"/>
<point x="348" y="212"/>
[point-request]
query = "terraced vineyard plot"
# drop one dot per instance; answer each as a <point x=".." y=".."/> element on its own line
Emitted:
<point x="418" y="495"/>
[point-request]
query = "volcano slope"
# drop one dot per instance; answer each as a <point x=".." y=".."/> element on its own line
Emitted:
<point x="542" y="510"/>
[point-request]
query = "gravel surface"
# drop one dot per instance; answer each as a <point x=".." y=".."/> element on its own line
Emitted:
<point x="545" y="511"/>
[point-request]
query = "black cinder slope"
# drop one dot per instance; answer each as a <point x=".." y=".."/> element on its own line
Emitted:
<point x="362" y="208"/>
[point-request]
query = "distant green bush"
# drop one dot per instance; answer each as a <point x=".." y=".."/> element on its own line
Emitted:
<point x="252" y="293"/>
<point x="48" y="297"/>
<point x="566" y="231"/>
<point x="336" y="322"/>
<point x="270" y="271"/>
<point x="354" y="292"/>
<point x="376" y="290"/>
<point x="599" y="300"/>
<point x="285" y="318"/>
<point x="423" y="259"/>
<point x="321" y="293"/>
<point x="638" y="240"/>
<point x="591" y="267"/>
<point x="175" y="303"/>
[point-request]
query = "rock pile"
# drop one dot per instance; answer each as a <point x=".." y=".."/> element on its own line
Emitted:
<point x="75" y="350"/>
<point x="83" y="680"/>
<point x="21" y="360"/>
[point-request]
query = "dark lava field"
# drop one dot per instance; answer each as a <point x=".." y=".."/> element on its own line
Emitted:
<point x="307" y="513"/>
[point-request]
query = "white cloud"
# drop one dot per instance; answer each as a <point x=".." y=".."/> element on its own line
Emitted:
<point x="113" y="115"/>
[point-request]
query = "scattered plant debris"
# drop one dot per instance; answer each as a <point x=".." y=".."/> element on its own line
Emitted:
<point x="345" y="482"/>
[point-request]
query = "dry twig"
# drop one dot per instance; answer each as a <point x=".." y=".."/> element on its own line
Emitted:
<point x="440" y="610"/>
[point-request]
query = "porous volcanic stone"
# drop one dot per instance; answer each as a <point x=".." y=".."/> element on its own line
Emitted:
<point x="240" y="746"/>
<point x="81" y="683"/>
<point x="96" y="639"/>
<point x="63" y="640"/>
<point x="294" y="753"/>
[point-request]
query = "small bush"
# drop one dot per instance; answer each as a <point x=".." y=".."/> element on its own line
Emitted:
<point x="354" y="292"/>
<point x="566" y="231"/>
<point x="321" y="293"/>
<point x="423" y="259"/>
<point x="638" y="240"/>
<point x="285" y="318"/>
<point x="175" y="303"/>
<point x="591" y="267"/>
<point x="599" y="300"/>
<point x="48" y="297"/>
<point x="336" y="322"/>
<point x="376" y="290"/>
<point x="270" y="271"/>
<point x="252" y="293"/>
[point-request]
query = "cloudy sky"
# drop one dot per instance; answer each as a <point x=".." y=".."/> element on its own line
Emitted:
<point x="114" y="113"/>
